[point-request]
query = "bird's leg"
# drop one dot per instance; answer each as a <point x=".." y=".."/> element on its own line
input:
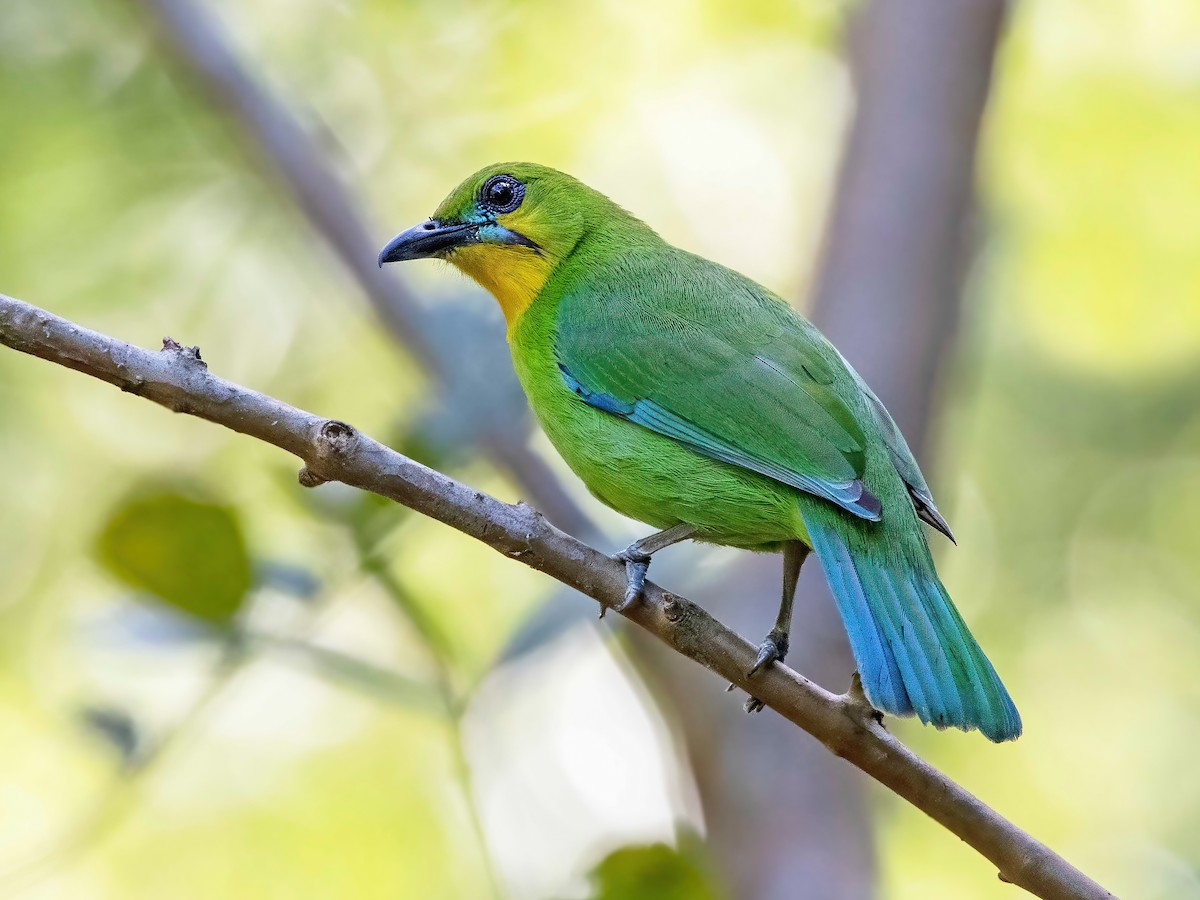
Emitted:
<point x="637" y="558"/>
<point x="775" y="645"/>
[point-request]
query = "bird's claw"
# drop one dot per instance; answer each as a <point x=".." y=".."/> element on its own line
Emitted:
<point x="752" y="704"/>
<point x="774" y="647"/>
<point x="636" y="566"/>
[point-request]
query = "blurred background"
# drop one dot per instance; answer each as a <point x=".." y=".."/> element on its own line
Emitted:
<point x="216" y="684"/>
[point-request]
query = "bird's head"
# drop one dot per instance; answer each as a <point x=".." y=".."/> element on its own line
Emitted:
<point x="508" y="226"/>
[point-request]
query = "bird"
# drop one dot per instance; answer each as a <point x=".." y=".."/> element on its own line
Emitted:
<point x="690" y="398"/>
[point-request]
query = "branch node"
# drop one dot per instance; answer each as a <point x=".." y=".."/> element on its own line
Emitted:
<point x="334" y="439"/>
<point x="310" y="479"/>
<point x="857" y="705"/>
<point x="187" y="354"/>
<point x="673" y="607"/>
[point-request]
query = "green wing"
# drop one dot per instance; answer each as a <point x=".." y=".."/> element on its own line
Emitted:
<point x="700" y="354"/>
<point x="903" y="460"/>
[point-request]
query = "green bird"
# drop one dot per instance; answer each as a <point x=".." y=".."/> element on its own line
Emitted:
<point x="691" y="398"/>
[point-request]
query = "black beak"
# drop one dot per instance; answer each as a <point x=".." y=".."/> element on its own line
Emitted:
<point x="430" y="238"/>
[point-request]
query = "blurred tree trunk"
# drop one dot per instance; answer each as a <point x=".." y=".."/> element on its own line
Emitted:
<point x="785" y="818"/>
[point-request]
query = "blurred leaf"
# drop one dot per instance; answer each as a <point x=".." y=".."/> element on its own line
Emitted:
<point x="655" y="872"/>
<point x="187" y="553"/>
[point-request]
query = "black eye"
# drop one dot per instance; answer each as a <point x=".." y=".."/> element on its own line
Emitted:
<point x="502" y="193"/>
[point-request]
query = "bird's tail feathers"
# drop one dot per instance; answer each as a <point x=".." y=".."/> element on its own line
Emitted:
<point x="913" y="650"/>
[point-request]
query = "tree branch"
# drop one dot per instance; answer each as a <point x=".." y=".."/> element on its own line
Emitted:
<point x="176" y="378"/>
<point x="898" y="243"/>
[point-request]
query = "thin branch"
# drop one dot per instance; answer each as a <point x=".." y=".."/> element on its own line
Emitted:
<point x="197" y="42"/>
<point x="402" y="690"/>
<point x="176" y="378"/>
<point x="384" y="684"/>
<point x="453" y="700"/>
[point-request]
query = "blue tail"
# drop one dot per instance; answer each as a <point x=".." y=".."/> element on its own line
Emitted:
<point x="913" y="650"/>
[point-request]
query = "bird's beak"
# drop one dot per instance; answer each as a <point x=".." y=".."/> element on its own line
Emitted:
<point x="430" y="238"/>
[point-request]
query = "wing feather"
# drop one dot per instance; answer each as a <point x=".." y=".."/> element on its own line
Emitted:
<point x="723" y="367"/>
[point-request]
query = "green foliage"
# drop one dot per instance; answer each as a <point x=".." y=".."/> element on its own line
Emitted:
<point x="655" y="872"/>
<point x="187" y="553"/>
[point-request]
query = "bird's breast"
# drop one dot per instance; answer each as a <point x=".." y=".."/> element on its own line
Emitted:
<point x="645" y="475"/>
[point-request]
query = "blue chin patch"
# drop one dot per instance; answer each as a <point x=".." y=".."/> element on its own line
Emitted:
<point x="494" y="233"/>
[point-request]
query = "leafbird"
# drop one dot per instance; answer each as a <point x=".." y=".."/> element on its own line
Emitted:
<point x="689" y="397"/>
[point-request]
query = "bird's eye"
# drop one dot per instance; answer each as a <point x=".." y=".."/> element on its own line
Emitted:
<point x="502" y="193"/>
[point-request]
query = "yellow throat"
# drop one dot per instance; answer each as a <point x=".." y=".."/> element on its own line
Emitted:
<point x="514" y="278"/>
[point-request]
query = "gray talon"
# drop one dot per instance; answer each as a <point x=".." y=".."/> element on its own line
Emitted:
<point x="637" y="559"/>
<point x="632" y="595"/>
<point x="767" y="654"/>
<point x="773" y="648"/>
<point x="636" y="567"/>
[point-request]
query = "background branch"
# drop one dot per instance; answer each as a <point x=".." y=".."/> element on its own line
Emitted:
<point x="499" y="416"/>
<point x="333" y="451"/>
<point x="887" y="293"/>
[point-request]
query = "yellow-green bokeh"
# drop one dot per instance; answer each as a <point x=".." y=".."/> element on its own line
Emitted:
<point x="1068" y="452"/>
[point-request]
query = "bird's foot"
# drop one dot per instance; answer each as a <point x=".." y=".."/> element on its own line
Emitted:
<point x="637" y="564"/>
<point x="752" y="704"/>
<point x="774" y="647"/>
